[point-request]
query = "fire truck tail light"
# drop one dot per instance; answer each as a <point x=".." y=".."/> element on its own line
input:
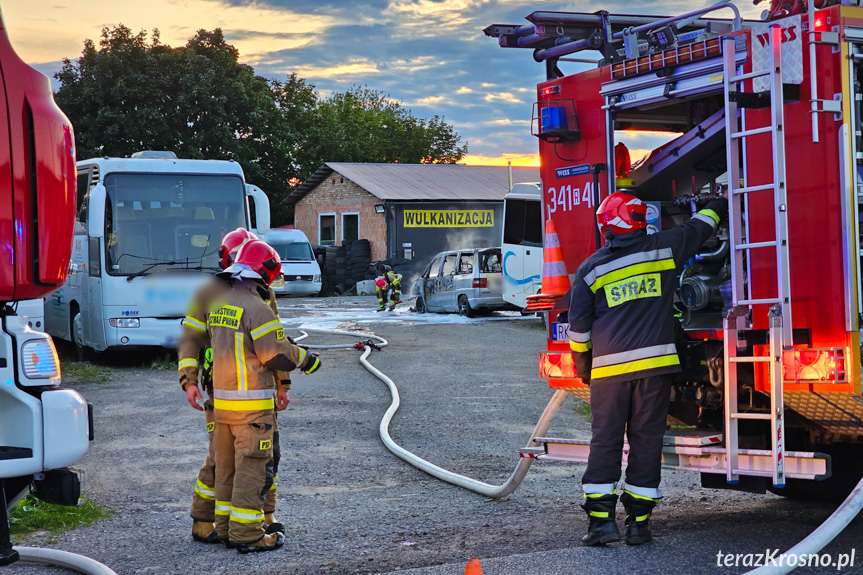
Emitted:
<point x="39" y="359"/>
<point x="804" y="365"/>
<point x="549" y="90"/>
<point x="556" y="365"/>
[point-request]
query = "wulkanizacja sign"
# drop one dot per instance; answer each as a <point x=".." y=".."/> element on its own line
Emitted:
<point x="449" y="218"/>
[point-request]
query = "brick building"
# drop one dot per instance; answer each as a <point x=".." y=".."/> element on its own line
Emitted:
<point x="407" y="211"/>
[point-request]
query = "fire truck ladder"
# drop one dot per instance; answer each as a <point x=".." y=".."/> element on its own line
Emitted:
<point x="743" y="302"/>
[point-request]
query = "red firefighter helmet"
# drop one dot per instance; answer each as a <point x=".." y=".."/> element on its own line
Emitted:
<point x="621" y="213"/>
<point x="231" y="244"/>
<point x="262" y="258"/>
<point x="381" y="283"/>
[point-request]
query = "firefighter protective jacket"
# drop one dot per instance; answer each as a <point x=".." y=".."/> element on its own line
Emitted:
<point x="393" y="279"/>
<point x="194" y="339"/>
<point x="621" y="305"/>
<point x="248" y="344"/>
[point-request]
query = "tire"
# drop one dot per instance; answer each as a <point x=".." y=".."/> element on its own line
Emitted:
<point x="420" y="305"/>
<point x="82" y="352"/>
<point x="464" y="308"/>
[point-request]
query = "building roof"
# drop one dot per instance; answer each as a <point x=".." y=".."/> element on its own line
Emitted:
<point x="422" y="182"/>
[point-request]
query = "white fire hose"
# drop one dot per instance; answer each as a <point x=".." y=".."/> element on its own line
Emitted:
<point x="63" y="559"/>
<point x="493" y="491"/>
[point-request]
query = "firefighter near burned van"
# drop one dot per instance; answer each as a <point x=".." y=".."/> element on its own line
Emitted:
<point x="388" y="286"/>
<point x="249" y="346"/>
<point x="622" y="337"/>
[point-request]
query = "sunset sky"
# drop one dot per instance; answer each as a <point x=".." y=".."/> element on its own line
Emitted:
<point x="429" y="54"/>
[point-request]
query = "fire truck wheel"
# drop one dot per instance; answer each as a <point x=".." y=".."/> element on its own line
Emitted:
<point x="464" y="307"/>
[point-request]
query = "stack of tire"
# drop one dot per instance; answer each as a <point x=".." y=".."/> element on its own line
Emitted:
<point x="344" y="266"/>
<point x="334" y="270"/>
<point x="359" y="257"/>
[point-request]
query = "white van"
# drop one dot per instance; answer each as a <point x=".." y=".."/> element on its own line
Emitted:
<point x="522" y="243"/>
<point x="301" y="269"/>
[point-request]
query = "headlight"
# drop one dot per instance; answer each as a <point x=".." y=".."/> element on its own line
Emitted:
<point x="317" y="278"/>
<point x="125" y="322"/>
<point x="39" y="359"/>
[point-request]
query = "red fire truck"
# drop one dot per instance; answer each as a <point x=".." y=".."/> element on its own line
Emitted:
<point x="43" y="429"/>
<point x="769" y="114"/>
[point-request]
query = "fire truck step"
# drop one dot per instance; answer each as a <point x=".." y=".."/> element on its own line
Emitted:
<point x="749" y="76"/>
<point x="752" y="416"/>
<point x="698" y="458"/>
<point x="750" y="189"/>
<point x="755" y="245"/>
<point x="752" y="132"/>
<point x="7" y="452"/>
<point x="769" y="300"/>
<point x="747" y="359"/>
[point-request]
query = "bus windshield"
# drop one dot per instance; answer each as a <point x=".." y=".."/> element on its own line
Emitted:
<point x="295" y="251"/>
<point x="155" y="222"/>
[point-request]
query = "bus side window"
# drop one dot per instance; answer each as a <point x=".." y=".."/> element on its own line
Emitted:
<point x="83" y="185"/>
<point x="94" y="264"/>
<point x="532" y="224"/>
<point x="513" y="226"/>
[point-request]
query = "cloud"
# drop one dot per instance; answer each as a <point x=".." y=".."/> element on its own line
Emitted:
<point x="429" y="54"/>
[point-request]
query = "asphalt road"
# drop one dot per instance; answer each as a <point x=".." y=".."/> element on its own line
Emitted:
<point x="470" y="398"/>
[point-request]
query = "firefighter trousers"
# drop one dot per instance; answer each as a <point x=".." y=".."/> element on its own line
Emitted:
<point x="638" y="408"/>
<point x="204" y="497"/>
<point x="244" y="476"/>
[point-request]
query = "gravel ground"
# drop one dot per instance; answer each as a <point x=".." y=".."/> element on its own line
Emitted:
<point x="470" y="399"/>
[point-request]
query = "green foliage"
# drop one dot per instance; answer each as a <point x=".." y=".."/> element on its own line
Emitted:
<point x="134" y="93"/>
<point x="583" y="408"/>
<point x="166" y="361"/>
<point x="86" y="372"/>
<point x="31" y="514"/>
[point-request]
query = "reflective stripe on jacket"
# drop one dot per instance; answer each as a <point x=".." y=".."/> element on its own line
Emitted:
<point x="248" y="344"/>
<point x="621" y="305"/>
<point x="194" y="338"/>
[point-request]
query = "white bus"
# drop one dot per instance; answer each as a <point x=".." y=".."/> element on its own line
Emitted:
<point x="147" y="235"/>
<point x="521" y="244"/>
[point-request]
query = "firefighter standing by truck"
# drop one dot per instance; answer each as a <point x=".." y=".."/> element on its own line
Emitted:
<point x="248" y="344"/>
<point x="195" y="351"/>
<point x="622" y="337"/>
<point x="388" y="281"/>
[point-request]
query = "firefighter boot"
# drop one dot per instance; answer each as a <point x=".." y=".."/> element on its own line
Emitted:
<point x="271" y="525"/>
<point x="205" y="532"/>
<point x="600" y="511"/>
<point x="637" y="515"/>
<point x="269" y="542"/>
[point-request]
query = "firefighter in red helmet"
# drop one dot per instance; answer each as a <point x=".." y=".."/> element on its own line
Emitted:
<point x="249" y="345"/>
<point x="388" y="281"/>
<point x="622" y="338"/>
<point x="195" y="352"/>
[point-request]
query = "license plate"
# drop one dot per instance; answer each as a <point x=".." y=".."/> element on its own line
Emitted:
<point x="560" y="331"/>
<point x="278" y="283"/>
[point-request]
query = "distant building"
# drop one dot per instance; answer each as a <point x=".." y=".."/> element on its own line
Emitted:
<point x="409" y="211"/>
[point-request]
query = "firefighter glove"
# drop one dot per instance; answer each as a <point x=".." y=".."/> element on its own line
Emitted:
<point x="720" y="206"/>
<point x="311" y="364"/>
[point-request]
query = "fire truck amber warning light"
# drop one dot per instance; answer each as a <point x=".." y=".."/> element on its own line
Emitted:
<point x="556" y="365"/>
<point x="40" y="359"/>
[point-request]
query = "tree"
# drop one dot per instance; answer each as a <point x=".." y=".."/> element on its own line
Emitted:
<point x="135" y="93"/>
<point x="365" y="125"/>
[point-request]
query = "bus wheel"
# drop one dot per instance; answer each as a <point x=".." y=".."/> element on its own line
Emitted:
<point x="82" y="352"/>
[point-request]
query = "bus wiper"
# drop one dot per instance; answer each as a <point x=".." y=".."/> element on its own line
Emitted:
<point x="146" y="270"/>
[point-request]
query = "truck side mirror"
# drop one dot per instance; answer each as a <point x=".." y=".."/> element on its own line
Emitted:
<point x="262" y="209"/>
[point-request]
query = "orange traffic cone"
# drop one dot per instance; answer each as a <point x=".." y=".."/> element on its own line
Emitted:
<point x="555" y="279"/>
<point x="473" y="567"/>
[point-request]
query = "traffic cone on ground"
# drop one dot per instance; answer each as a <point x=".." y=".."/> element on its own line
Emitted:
<point x="473" y="567"/>
<point x="555" y="279"/>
